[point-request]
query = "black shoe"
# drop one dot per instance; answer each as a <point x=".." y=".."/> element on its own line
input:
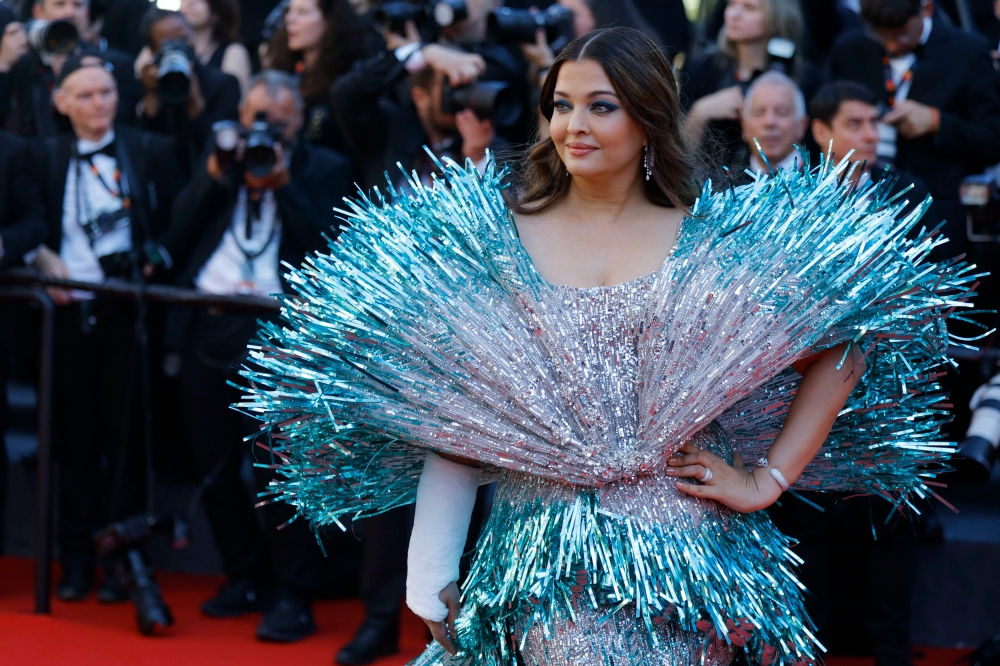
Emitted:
<point x="233" y="599"/>
<point x="112" y="592"/>
<point x="75" y="583"/>
<point x="375" y="638"/>
<point x="286" y="620"/>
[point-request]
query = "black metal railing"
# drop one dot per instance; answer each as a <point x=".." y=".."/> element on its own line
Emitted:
<point x="29" y="286"/>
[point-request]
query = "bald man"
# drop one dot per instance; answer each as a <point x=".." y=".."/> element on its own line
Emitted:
<point x="107" y="191"/>
<point x="774" y="112"/>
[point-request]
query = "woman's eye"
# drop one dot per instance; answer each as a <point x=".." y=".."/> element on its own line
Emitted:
<point x="561" y="106"/>
<point x="603" y="107"/>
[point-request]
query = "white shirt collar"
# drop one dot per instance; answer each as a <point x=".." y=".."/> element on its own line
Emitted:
<point x="756" y="164"/>
<point x="85" y="146"/>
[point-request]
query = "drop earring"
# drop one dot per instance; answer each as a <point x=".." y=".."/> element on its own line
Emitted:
<point x="647" y="160"/>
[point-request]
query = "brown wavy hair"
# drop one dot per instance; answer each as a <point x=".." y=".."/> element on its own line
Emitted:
<point x="644" y="82"/>
<point x="343" y="43"/>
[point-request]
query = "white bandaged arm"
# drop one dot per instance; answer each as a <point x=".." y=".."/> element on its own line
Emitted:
<point x="445" y="497"/>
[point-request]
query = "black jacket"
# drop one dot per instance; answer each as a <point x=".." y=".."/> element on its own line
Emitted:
<point x="203" y="211"/>
<point x="22" y="213"/>
<point x="953" y="73"/>
<point x="222" y="100"/>
<point x="26" y="94"/>
<point x="381" y="128"/>
<point x="154" y="180"/>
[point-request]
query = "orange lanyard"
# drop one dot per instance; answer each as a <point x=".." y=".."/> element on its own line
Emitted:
<point x="890" y="85"/>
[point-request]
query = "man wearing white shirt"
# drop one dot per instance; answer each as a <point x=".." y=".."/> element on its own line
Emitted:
<point x="233" y="226"/>
<point x="107" y="191"/>
<point x="941" y="100"/>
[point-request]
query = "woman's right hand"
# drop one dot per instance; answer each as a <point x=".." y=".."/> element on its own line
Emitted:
<point x="726" y="104"/>
<point x="444" y="631"/>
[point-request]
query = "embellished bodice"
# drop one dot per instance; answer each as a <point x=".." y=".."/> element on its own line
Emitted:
<point x="601" y="337"/>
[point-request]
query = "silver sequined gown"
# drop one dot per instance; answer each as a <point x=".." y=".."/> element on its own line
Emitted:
<point x="427" y="327"/>
<point x="609" y="322"/>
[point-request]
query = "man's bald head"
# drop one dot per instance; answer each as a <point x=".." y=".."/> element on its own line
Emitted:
<point x="88" y="96"/>
<point x="774" y="113"/>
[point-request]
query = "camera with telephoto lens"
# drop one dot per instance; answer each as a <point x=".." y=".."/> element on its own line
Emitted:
<point x="490" y="100"/>
<point x="251" y="150"/>
<point x="121" y="544"/>
<point x="173" y="76"/>
<point x="518" y="26"/>
<point x="979" y="451"/>
<point x="52" y="37"/>
<point x="392" y="16"/>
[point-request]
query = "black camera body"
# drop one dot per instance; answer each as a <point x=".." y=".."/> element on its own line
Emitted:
<point x="427" y="16"/>
<point x="518" y="26"/>
<point x="252" y="150"/>
<point x="174" y="63"/>
<point x="490" y="100"/>
<point x="52" y="37"/>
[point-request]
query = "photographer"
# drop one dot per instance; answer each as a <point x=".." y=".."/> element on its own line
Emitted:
<point x="22" y="227"/>
<point x="940" y="88"/>
<point x="183" y="97"/>
<point x="29" y="66"/>
<point x="261" y="198"/>
<point x="107" y="190"/>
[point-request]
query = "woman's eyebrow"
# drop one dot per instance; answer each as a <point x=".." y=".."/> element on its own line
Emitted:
<point x="596" y="93"/>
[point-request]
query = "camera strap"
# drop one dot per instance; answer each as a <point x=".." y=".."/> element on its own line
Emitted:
<point x="96" y="226"/>
<point x="253" y="208"/>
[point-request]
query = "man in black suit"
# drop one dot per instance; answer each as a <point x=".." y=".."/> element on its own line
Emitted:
<point x="941" y="92"/>
<point x="27" y="76"/>
<point x="212" y="95"/>
<point x="844" y="116"/>
<point x="231" y="228"/>
<point x="22" y="228"/>
<point x="107" y="190"/>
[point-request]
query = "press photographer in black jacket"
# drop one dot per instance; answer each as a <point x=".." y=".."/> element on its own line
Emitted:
<point x="185" y="112"/>
<point x="22" y="227"/>
<point x="242" y="214"/>
<point x="27" y="75"/>
<point x="941" y="92"/>
<point x="107" y="190"/>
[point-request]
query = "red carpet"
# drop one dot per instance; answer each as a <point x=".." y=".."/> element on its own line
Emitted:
<point x="92" y="634"/>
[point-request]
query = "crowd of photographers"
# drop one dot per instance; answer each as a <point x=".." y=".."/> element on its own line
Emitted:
<point x="148" y="145"/>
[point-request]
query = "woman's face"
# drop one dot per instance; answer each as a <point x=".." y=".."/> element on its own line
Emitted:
<point x="197" y="13"/>
<point x="746" y="21"/>
<point x="305" y="24"/>
<point x="593" y="134"/>
<point x="583" y="18"/>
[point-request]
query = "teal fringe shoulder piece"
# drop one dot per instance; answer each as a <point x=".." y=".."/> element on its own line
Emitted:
<point x="426" y="326"/>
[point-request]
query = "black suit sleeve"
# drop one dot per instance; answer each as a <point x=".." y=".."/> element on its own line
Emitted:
<point x="221" y="103"/>
<point x="23" y="225"/>
<point x="355" y="101"/>
<point x="190" y="213"/>
<point x="974" y="135"/>
<point x="307" y="202"/>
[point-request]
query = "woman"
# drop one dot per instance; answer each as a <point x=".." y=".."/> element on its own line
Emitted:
<point x="319" y="41"/>
<point x="216" y="35"/>
<point x="610" y="347"/>
<point x="714" y="84"/>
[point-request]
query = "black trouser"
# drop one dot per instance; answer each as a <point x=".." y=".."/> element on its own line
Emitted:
<point x="386" y="539"/>
<point x="859" y="586"/>
<point x="283" y="561"/>
<point x="97" y="427"/>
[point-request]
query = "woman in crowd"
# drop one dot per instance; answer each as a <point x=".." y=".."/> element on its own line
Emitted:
<point x="609" y="343"/>
<point x="215" y="25"/>
<point x="319" y="41"/>
<point x="713" y="85"/>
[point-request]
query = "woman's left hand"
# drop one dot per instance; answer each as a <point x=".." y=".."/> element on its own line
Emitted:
<point x="729" y="484"/>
